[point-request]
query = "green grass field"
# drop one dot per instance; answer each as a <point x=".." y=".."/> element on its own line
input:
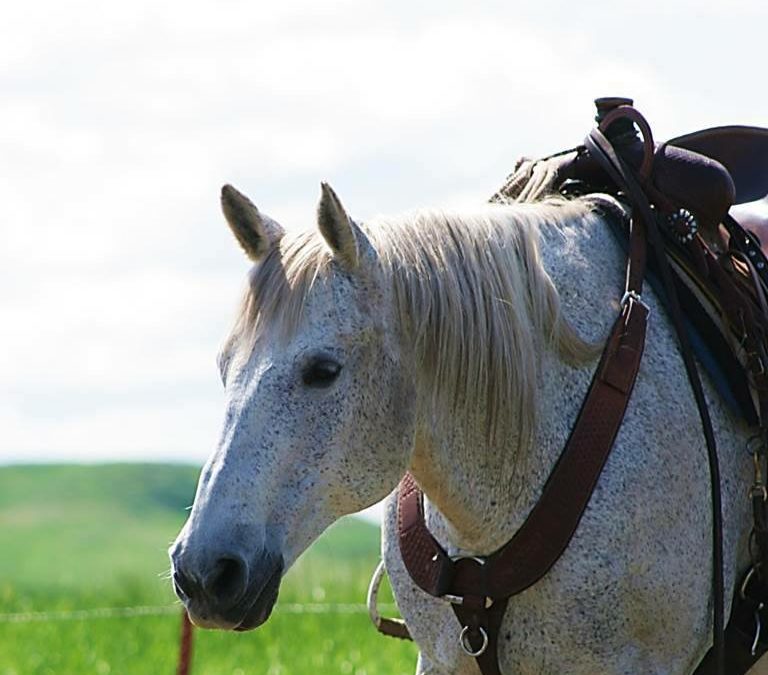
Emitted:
<point x="83" y="537"/>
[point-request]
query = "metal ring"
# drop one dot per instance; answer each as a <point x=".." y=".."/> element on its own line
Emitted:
<point x="467" y="647"/>
<point x="747" y="578"/>
<point x="373" y="594"/>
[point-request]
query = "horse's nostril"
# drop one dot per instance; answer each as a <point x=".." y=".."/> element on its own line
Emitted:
<point x="185" y="584"/>
<point x="227" y="580"/>
<point x="182" y="584"/>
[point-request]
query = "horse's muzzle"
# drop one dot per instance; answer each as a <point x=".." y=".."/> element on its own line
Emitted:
<point x="228" y="593"/>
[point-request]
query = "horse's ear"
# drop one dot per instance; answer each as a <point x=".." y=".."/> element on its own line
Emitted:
<point x="346" y="240"/>
<point x="255" y="232"/>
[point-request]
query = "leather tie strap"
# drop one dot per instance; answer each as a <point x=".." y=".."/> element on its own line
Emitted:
<point x="603" y="151"/>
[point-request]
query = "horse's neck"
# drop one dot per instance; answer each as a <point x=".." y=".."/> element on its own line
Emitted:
<point x="479" y="494"/>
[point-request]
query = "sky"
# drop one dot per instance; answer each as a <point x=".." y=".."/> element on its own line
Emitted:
<point x="119" y="122"/>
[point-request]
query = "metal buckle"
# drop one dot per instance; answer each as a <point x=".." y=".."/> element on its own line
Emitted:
<point x="636" y="297"/>
<point x="758" y="488"/>
<point x="467" y="647"/>
<point x="479" y="560"/>
<point x="453" y="599"/>
<point x="459" y="599"/>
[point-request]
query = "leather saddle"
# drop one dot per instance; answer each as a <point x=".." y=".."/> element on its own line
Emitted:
<point x="672" y="199"/>
<point x="705" y="172"/>
<point x="692" y="181"/>
<point x="720" y="278"/>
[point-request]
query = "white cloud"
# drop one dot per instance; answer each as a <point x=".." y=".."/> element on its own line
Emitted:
<point x="120" y="122"/>
<point x="177" y="430"/>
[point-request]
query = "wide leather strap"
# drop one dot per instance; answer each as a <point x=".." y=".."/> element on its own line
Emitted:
<point x="545" y="534"/>
<point x="479" y="587"/>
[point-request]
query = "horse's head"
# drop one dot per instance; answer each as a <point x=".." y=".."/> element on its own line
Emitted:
<point x="319" y="418"/>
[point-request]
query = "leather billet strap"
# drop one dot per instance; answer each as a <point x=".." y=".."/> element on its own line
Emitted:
<point x="602" y="150"/>
<point x="394" y="628"/>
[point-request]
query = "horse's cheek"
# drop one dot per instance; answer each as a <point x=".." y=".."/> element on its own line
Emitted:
<point x="402" y="405"/>
<point x="387" y="424"/>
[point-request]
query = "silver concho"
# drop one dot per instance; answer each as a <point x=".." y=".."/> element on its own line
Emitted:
<point x="683" y="225"/>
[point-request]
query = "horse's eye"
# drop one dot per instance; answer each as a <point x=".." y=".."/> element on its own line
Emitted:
<point x="321" y="373"/>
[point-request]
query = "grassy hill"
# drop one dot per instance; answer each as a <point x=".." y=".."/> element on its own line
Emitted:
<point x="75" y="530"/>
<point x="76" y="537"/>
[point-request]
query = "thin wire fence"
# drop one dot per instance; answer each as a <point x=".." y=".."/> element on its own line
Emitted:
<point x="163" y="610"/>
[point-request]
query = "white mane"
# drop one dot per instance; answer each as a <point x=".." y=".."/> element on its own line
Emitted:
<point x="471" y="295"/>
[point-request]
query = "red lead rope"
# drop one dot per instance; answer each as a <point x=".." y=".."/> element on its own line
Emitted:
<point x="185" y="645"/>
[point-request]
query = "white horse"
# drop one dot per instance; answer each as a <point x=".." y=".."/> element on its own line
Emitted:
<point x="459" y="347"/>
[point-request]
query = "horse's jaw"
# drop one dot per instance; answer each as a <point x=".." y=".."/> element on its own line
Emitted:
<point x="263" y="603"/>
